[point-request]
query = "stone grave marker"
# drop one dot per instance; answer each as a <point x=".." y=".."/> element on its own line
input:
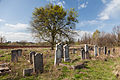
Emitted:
<point x="74" y="51"/>
<point x="14" y="56"/>
<point x="30" y="56"/>
<point x="61" y="49"/>
<point x="19" y="52"/>
<point x="105" y="50"/>
<point x="113" y="50"/>
<point x="27" y="72"/>
<point x="95" y="50"/>
<point x="38" y="63"/>
<point x="99" y="50"/>
<point x="57" y="54"/>
<point x="87" y="55"/>
<point x="82" y="54"/>
<point x="108" y="51"/>
<point x="66" y="53"/>
<point x="86" y="47"/>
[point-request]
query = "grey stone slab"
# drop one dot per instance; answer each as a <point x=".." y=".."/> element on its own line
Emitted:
<point x="27" y="72"/>
<point x="66" y="53"/>
<point x="95" y="50"/>
<point x="14" y="56"/>
<point x="38" y="63"/>
<point x="19" y="52"/>
<point x="86" y="47"/>
<point x="30" y="56"/>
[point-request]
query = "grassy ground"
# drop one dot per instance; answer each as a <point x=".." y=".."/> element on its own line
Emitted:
<point x="94" y="69"/>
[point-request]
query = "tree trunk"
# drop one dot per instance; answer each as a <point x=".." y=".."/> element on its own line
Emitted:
<point x="52" y="42"/>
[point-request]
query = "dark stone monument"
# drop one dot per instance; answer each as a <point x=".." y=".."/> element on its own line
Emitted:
<point x="66" y="53"/>
<point x="105" y="50"/>
<point x="99" y="50"/>
<point x="108" y="51"/>
<point x="38" y="63"/>
<point x="30" y="56"/>
<point x="82" y="54"/>
<point x="27" y="72"/>
<point x="14" y="56"/>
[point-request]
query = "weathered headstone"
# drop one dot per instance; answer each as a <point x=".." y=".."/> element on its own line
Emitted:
<point x="95" y="50"/>
<point x="82" y="54"/>
<point x="57" y="54"/>
<point x="14" y="56"/>
<point x="87" y="55"/>
<point x="38" y="63"/>
<point x="99" y="50"/>
<point x="108" y="51"/>
<point x="27" y="72"/>
<point x="19" y="52"/>
<point x="113" y="50"/>
<point x="86" y="47"/>
<point x="66" y="53"/>
<point x="61" y="48"/>
<point x="30" y="56"/>
<point x="74" y="51"/>
<point x="105" y="50"/>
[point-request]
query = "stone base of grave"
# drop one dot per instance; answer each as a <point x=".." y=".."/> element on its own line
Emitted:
<point x="67" y="60"/>
<point x="27" y="72"/>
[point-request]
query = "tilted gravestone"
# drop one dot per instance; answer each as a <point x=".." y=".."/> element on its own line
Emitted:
<point x="95" y="50"/>
<point x="66" y="53"/>
<point x="30" y="56"/>
<point x="27" y="72"/>
<point x="58" y="56"/>
<point x="108" y="51"/>
<point x="38" y="63"/>
<point x="99" y="50"/>
<point x="19" y="52"/>
<point x="105" y="50"/>
<point x="14" y="56"/>
<point x="82" y="54"/>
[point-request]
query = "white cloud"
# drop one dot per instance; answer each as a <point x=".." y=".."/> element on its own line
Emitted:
<point x="1" y="20"/>
<point x="104" y="1"/>
<point x="84" y="5"/>
<point x="17" y="36"/>
<point x="111" y="10"/>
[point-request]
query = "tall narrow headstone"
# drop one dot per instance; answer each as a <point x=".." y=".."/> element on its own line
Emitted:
<point x="113" y="50"/>
<point x="30" y="56"/>
<point x="57" y="54"/>
<point x="38" y="63"/>
<point x="86" y="47"/>
<point x="99" y="50"/>
<point x="61" y="47"/>
<point x="105" y="50"/>
<point x="82" y="54"/>
<point x="87" y="55"/>
<point x="95" y="50"/>
<point x="66" y="53"/>
<point x="14" y="56"/>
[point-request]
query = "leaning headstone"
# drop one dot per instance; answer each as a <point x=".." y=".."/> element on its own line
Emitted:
<point x="57" y="54"/>
<point x="66" y="53"/>
<point x="38" y="63"/>
<point x="82" y="54"/>
<point x="105" y="50"/>
<point x="99" y="50"/>
<point x="95" y="50"/>
<point x="109" y="52"/>
<point x="19" y="52"/>
<point x="14" y="56"/>
<point x="27" y="72"/>
<point x="30" y="56"/>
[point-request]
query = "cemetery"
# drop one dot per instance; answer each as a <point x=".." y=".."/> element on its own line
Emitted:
<point x="65" y="62"/>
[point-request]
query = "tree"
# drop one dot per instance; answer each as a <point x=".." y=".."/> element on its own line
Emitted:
<point x="2" y="39"/>
<point x="95" y="36"/>
<point x="53" y="23"/>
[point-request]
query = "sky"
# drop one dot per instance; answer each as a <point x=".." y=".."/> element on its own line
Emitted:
<point x="15" y="16"/>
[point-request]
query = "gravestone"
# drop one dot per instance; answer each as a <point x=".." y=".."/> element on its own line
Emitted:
<point x="14" y="56"/>
<point x="61" y="47"/>
<point x="99" y="50"/>
<point x="38" y="63"/>
<point x="66" y="53"/>
<point x="57" y="54"/>
<point x="82" y="54"/>
<point x="87" y="55"/>
<point x="30" y="56"/>
<point x="105" y="50"/>
<point x="113" y="50"/>
<point x="86" y="47"/>
<point x="108" y="51"/>
<point x="27" y="72"/>
<point x="95" y="50"/>
<point x="19" y="52"/>
<point x="74" y="51"/>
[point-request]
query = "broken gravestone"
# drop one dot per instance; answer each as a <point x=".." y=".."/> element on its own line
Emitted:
<point x="38" y="63"/>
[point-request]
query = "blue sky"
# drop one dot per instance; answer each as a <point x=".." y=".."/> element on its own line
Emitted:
<point x="15" y="16"/>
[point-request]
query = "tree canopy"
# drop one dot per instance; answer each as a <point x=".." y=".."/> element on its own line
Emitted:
<point x="53" y="23"/>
